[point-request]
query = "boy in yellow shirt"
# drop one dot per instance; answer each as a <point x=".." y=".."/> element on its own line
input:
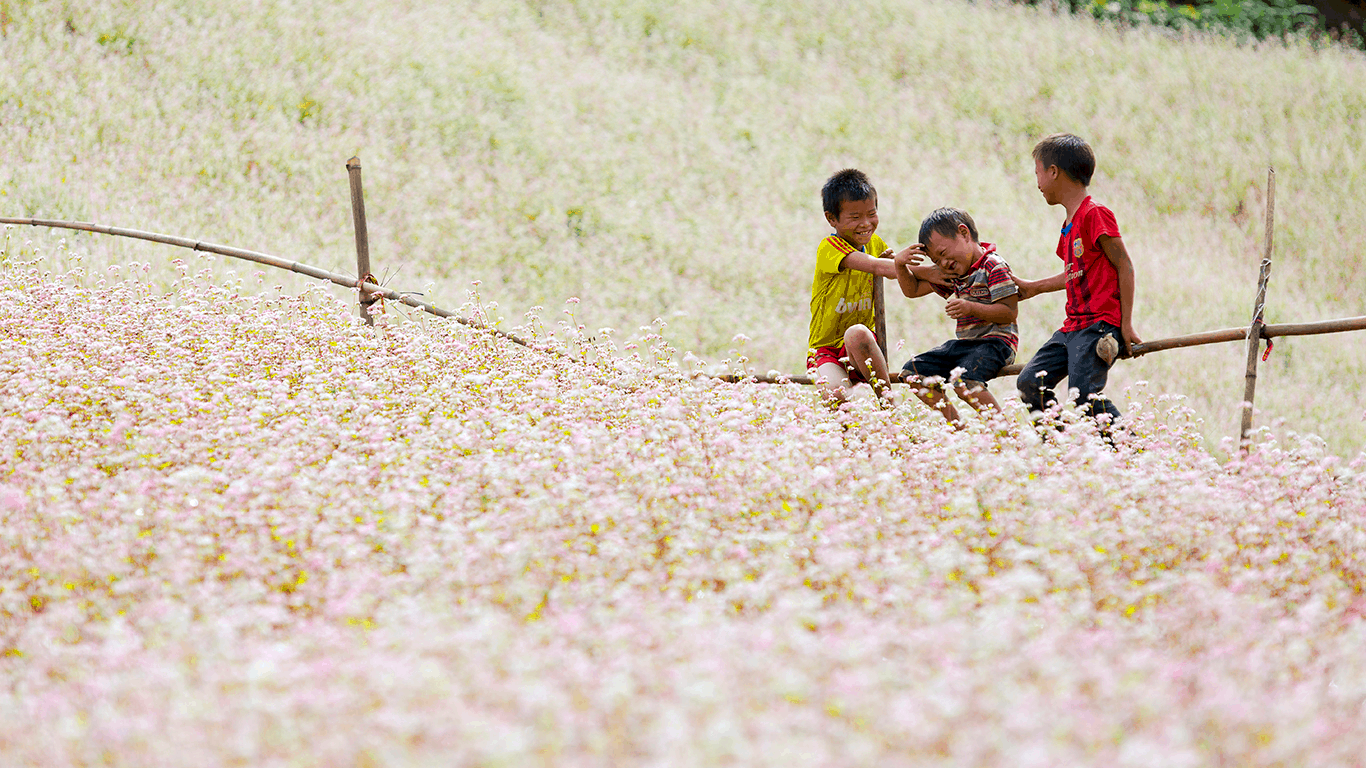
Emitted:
<point x="841" y="348"/>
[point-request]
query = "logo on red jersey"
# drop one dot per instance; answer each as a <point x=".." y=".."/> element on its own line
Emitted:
<point x="1077" y="248"/>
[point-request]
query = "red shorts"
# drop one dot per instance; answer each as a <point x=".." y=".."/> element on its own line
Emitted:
<point x="822" y="355"/>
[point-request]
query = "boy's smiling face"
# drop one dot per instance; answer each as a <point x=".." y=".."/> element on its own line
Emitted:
<point x="953" y="255"/>
<point x="1047" y="179"/>
<point x="857" y="221"/>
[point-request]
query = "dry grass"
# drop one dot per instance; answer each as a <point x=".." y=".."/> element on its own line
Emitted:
<point x="663" y="160"/>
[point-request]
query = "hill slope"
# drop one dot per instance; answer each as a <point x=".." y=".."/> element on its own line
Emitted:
<point x="662" y="160"/>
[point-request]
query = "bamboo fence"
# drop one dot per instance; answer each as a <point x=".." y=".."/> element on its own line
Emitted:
<point x="1140" y="349"/>
<point x="364" y="284"/>
<point x="369" y="292"/>
<point x="363" y="273"/>
<point x="1256" y="330"/>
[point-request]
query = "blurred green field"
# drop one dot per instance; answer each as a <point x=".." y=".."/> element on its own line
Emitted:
<point x="662" y="160"/>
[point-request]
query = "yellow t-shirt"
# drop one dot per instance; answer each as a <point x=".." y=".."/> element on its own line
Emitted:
<point x="840" y="298"/>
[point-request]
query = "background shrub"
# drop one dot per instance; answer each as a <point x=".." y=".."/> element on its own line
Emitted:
<point x="1257" y="19"/>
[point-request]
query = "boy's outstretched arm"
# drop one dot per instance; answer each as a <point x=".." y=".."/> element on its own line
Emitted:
<point x="912" y="285"/>
<point x="862" y="262"/>
<point x="1031" y="288"/>
<point x="1119" y="256"/>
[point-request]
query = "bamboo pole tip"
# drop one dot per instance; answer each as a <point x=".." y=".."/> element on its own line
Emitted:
<point x="354" y="162"/>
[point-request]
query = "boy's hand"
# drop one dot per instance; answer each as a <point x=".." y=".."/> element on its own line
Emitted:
<point x="910" y="255"/>
<point x="959" y="308"/>
<point x="1028" y="289"/>
<point x="1130" y="339"/>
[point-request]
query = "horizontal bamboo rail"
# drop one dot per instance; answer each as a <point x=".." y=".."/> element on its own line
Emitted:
<point x="1176" y="342"/>
<point x="1147" y="347"/>
<point x="280" y="263"/>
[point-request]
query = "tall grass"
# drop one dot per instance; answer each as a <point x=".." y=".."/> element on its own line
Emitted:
<point x="662" y="160"/>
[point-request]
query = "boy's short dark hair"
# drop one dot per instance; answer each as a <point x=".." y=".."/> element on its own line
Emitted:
<point x="1070" y="153"/>
<point x="848" y="184"/>
<point x="945" y="221"/>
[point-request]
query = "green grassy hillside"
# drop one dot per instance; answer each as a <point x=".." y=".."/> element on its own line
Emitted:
<point x="664" y="160"/>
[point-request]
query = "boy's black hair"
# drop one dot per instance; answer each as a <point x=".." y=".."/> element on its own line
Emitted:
<point x="1070" y="153"/>
<point x="945" y="221"/>
<point x="848" y="184"/>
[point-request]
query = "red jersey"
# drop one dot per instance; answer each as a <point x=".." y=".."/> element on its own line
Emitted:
<point x="1092" y="281"/>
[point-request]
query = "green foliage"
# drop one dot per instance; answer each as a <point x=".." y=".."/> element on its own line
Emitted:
<point x="117" y="41"/>
<point x="307" y="108"/>
<point x="1257" y="19"/>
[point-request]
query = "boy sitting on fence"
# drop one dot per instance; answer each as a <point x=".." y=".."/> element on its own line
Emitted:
<point x="842" y="350"/>
<point x="982" y="297"/>
<point x="1098" y="276"/>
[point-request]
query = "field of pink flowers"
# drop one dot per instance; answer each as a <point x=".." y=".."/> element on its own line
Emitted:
<point x="240" y="528"/>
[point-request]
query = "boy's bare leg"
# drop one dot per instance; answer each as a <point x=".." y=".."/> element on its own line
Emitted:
<point x="978" y="396"/>
<point x="833" y="383"/>
<point x="933" y="397"/>
<point x="861" y="346"/>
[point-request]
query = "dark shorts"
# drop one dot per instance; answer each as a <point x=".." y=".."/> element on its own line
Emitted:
<point x="980" y="359"/>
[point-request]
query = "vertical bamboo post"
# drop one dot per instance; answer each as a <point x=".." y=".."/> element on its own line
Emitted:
<point x="880" y="316"/>
<point x="363" y="274"/>
<point x="1254" y="331"/>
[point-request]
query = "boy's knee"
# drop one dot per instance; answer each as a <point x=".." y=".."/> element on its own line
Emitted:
<point x="858" y="334"/>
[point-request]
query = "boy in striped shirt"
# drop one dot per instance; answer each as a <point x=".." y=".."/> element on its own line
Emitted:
<point x="982" y="297"/>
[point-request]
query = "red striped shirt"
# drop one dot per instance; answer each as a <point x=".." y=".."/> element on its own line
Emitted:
<point x="987" y="282"/>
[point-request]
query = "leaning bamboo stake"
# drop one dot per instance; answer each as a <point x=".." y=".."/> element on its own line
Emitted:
<point x="363" y="274"/>
<point x="880" y="315"/>
<point x="1254" y="330"/>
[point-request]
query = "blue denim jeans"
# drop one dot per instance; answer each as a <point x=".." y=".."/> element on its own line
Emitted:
<point x="1071" y="354"/>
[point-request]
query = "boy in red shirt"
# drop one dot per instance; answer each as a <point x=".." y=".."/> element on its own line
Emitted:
<point x="1098" y="276"/>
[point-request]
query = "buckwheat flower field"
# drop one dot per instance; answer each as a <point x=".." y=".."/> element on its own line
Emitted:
<point x="241" y="528"/>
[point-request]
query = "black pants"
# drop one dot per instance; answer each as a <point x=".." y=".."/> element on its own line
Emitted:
<point x="1071" y="354"/>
